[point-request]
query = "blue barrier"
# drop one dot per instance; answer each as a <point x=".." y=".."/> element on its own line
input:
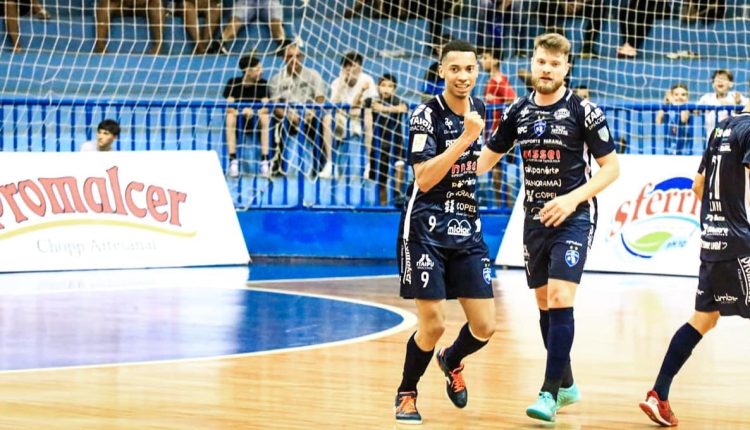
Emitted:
<point x="51" y="124"/>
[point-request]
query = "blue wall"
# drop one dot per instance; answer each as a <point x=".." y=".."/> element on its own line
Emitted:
<point x="336" y="234"/>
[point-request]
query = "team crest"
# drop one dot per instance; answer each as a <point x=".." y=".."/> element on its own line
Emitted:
<point x="571" y="257"/>
<point x="539" y="126"/>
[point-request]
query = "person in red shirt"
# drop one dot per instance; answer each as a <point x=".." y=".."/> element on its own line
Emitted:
<point x="497" y="92"/>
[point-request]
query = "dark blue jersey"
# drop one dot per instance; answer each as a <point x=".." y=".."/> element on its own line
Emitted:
<point x="725" y="228"/>
<point x="557" y="143"/>
<point x="446" y="215"/>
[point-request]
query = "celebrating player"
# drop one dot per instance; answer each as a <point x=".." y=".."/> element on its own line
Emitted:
<point x="442" y="254"/>
<point x="558" y="132"/>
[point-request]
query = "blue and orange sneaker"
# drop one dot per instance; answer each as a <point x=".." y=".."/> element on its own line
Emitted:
<point x="658" y="410"/>
<point x="568" y="396"/>
<point x="545" y="407"/>
<point x="406" y="408"/>
<point x="454" y="381"/>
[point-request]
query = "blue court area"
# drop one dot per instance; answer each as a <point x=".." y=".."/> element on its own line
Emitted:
<point x="66" y="319"/>
<point x="284" y="268"/>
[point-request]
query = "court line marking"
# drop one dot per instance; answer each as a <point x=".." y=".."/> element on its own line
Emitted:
<point x="408" y="320"/>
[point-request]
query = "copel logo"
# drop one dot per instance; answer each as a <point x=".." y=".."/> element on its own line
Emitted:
<point x="662" y="217"/>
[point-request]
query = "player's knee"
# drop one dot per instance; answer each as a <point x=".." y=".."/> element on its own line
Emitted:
<point x="483" y="329"/>
<point x="434" y="330"/>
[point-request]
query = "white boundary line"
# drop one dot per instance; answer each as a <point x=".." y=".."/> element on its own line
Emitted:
<point x="409" y="320"/>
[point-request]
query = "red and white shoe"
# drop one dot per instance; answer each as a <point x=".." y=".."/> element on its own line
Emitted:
<point x="658" y="410"/>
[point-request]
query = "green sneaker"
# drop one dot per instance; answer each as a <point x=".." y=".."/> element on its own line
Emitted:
<point x="568" y="396"/>
<point x="545" y="408"/>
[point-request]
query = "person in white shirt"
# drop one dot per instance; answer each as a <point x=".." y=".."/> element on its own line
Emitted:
<point x="106" y="133"/>
<point x="298" y="84"/>
<point x="723" y="81"/>
<point x="356" y="89"/>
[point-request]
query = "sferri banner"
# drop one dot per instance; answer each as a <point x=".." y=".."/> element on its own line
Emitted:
<point x="112" y="210"/>
<point x="648" y="220"/>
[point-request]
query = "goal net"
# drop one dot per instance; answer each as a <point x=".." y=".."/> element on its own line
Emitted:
<point x="161" y="70"/>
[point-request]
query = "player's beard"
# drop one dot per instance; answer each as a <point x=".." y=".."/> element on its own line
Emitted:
<point x="546" y="87"/>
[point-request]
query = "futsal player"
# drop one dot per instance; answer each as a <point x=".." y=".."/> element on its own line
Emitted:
<point x="558" y="133"/>
<point x="442" y="254"/>
<point x="724" y="275"/>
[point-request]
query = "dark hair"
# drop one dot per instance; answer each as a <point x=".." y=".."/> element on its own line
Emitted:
<point x="582" y="87"/>
<point x="388" y="77"/>
<point x="248" y="61"/>
<point x="351" y="58"/>
<point x="729" y="74"/>
<point x="109" y="125"/>
<point x="493" y="53"/>
<point x="459" y="46"/>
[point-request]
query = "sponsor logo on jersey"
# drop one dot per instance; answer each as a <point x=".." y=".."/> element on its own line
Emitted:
<point x="459" y="228"/>
<point x="593" y="117"/>
<point x="448" y="123"/>
<point x="725" y="299"/>
<point x="559" y="130"/>
<point x="525" y="111"/>
<point x="562" y="114"/>
<point x="521" y="130"/>
<point x="425" y="262"/>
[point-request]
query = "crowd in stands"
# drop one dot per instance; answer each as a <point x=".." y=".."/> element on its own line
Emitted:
<point x="372" y="122"/>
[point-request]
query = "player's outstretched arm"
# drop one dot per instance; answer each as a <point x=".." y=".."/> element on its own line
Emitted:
<point x="487" y="160"/>
<point x="698" y="182"/>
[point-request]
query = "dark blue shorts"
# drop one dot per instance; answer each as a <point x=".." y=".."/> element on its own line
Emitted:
<point x="557" y="252"/>
<point x="435" y="273"/>
<point x="723" y="286"/>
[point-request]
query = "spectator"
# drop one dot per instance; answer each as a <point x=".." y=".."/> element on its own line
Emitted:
<point x="434" y="84"/>
<point x="191" y="10"/>
<point x="107" y="8"/>
<point x="505" y="19"/>
<point x="636" y="21"/>
<point x="246" y="11"/>
<point x="15" y="8"/>
<point x="679" y="133"/>
<point x="298" y="84"/>
<point x="723" y="81"/>
<point x="377" y="9"/>
<point x="704" y="11"/>
<point x="552" y="12"/>
<point x="497" y="92"/>
<point x="388" y="112"/>
<point x="356" y="89"/>
<point x="250" y="87"/>
<point x="106" y="133"/>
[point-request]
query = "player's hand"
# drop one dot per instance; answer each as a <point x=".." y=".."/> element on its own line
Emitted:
<point x="557" y="210"/>
<point x="473" y="126"/>
<point x="737" y="97"/>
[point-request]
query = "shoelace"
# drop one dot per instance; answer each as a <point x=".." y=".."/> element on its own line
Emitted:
<point x="408" y="405"/>
<point x="458" y="380"/>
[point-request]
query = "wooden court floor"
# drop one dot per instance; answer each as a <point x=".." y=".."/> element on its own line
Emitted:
<point x="623" y="326"/>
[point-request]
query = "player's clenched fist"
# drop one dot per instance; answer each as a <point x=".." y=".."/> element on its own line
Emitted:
<point x="473" y="125"/>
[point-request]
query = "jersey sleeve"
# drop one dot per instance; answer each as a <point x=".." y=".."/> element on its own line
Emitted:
<point x="505" y="134"/>
<point x="596" y="130"/>
<point x="422" y="142"/>
<point x="745" y="147"/>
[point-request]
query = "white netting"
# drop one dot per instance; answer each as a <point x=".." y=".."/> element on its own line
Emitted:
<point x="628" y="53"/>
